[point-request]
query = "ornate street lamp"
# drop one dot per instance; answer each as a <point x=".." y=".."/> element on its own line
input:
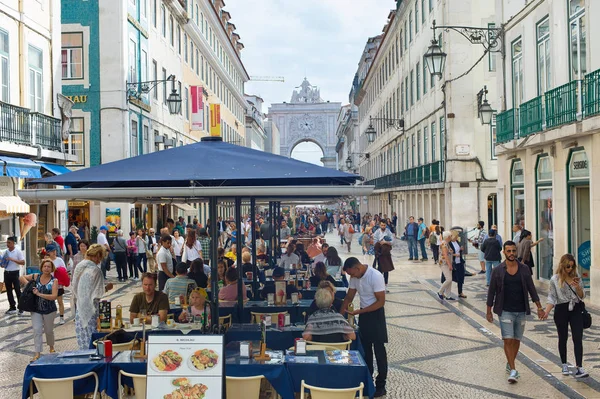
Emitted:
<point x="174" y="100"/>
<point x="349" y="164"/>
<point x="371" y="133"/>
<point x="486" y="112"/>
<point x="435" y="58"/>
<point x="136" y="89"/>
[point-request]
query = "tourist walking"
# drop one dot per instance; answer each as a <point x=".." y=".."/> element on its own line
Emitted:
<point x="508" y="297"/>
<point x="88" y="289"/>
<point x="411" y="232"/>
<point x="446" y="264"/>
<point x="192" y="249"/>
<point x="348" y="231"/>
<point x="477" y="241"/>
<point x="458" y="263"/>
<point x="164" y="260"/>
<point x="132" y="252"/>
<point x="422" y="235"/>
<point x="492" y="253"/>
<point x="42" y="318"/>
<point x="153" y="248"/>
<point x="141" y="242"/>
<point x="524" y="249"/>
<point x="120" y="251"/>
<point x="102" y="240"/>
<point x="177" y="245"/>
<point x="566" y="297"/>
<point x="370" y="285"/>
<point x="435" y="238"/>
<point x="62" y="277"/>
<point x="383" y="239"/>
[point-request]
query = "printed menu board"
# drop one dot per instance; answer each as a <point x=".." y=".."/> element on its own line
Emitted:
<point x="188" y="367"/>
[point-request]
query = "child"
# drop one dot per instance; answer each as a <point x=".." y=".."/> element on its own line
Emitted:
<point x="196" y="307"/>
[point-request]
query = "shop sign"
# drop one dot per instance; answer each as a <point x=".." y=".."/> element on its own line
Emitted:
<point x="78" y="99"/>
<point x="113" y="221"/>
<point x="579" y="168"/>
<point x="77" y="204"/>
<point x="584" y="255"/>
<point x="517" y="173"/>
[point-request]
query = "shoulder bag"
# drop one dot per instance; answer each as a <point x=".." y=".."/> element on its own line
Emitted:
<point x="28" y="300"/>
<point x="587" y="318"/>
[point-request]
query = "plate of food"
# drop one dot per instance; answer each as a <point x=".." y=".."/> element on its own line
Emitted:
<point x="185" y="389"/>
<point x="166" y="361"/>
<point x="203" y="359"/>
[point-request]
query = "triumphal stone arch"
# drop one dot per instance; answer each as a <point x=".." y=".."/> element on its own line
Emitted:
<point x="307" y="117"/>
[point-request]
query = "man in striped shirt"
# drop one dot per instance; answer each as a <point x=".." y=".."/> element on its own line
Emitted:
<point x="180" y="285"/>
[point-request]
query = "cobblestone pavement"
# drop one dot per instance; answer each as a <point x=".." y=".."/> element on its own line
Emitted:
<point x="435" y="350"/>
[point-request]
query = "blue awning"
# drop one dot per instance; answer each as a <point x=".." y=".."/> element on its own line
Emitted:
<point x="54" y="168"/>
<point x="21" y="167"/>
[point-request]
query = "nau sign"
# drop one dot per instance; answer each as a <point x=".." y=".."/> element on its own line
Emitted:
<point x="78" y="99"/>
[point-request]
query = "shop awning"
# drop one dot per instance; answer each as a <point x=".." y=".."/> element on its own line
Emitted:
<point x="13" y="204"/>
<point x="21" y="167"/>
<point x="54" y="168"/>
<point x="188" y="210"/>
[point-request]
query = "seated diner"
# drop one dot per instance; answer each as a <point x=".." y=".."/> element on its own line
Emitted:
<point x="327" y="325"/>
<point x="150" y="301"/>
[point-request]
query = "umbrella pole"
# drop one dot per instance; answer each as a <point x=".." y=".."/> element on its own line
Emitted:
<point x="239" y="243"/>
<point x="271" y="234"/>
<point x="253" y="243"/>
<point x="214" y="242"/>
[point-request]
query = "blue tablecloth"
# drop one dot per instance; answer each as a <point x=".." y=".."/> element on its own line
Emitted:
<point x="340" y="293"/>
<point x="330" y="375"/>
<point x="129" y="336"/>
<point x="126" y="362"/>
<point x="295" y="311"/>
<point x="52" y="366"/>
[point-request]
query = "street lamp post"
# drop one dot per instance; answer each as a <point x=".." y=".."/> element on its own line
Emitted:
<point x="486" y="112"/>
<point x="136" y="89"/>
<point x="371" y="133"/>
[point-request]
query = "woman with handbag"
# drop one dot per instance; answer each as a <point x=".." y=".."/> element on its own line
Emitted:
<point x="42" y="318"/>
<point x="458" y="263"/>
<point x="566" y="297"/>
<point x="446" y="264"/>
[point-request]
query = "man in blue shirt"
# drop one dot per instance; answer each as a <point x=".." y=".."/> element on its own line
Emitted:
<point x="421" y="237"/>
<point x="71" y="244"/>
<point x="411" y="230"/>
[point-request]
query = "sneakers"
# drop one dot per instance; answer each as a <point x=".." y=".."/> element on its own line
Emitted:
<point x="440" y="296"/>
<point x="507" y="368"/>
<point x="61" y="320"/>
<point x="449" y="298"/>
<point x="21" y="313"/>
<point x="581" y="373"/>
<point x="11" y="311"/>
<point x="481" y="272"/>
<point x="514" y="375"/>
<point x="565" y="369"/>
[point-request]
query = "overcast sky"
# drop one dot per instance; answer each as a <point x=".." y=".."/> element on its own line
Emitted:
<point x="320" y="39"/>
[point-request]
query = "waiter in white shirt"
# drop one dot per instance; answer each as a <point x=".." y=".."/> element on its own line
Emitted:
<point x="13" y="259"/>
<point x="370" y="285"/>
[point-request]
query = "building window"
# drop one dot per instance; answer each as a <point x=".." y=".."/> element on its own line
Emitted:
<point x="134" y="138"/>
<point x="191" y="54"/>
<point x="418" y="147"/>
<point x="4" y="67"/>
<point x="186" y="104"/>
<point x="198" y="64"/>
<point x="144" y="8"/>
<point x="418" y="81"/>
<point x="132" y="61"/>
<point x="423" y="12"/>
<point x="412" y="87"/>
<point x="72" y="55"/>
<point x="154" y="11"/>
<point x="406" y="93"/>
<point x="578" y="39"/>
<point x="36" y="65"/>
<point x="178" y="38"/>
<point x="156" y="143"/>
<point x="401" y="45"/>
<point x="425" y="143"/>
<point x="185" y="47"/>
<point x="517" y="72"/>
<point x="425" y="80"/>
<point x="518" y="193"/>
<point x="74" y="144"/>
<point x="433" y="152"/>
<point x="171" y="31"/>
<point x="412" y="157"/>
<point x="144" y="67"/>
<point x="163" y="21"/>
<point x="402" y="97"/>
<point x="164" y="79"/>
<point x="146" y="146"/>
<point x="155" y="78"/>
<point x="545" y="222"/>
<point x="543" y="52"/>
<point x="410" y="26"/>
<point x="491" y="56"/>
<point x="442" y="133"/>
<point x="416" y="16"/>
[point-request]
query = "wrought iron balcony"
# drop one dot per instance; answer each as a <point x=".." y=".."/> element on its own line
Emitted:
<point x="592" y="93"/>
<point x="561" y="104"/>
<point x="424" y="174"/>
<point x="531" y="117"/>
<point x="505" y="130"/>
<point x="19" y="126"/>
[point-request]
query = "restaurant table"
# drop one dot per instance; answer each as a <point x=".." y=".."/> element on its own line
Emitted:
<point x="53" y="366"/>
<point x="340" y="293"/>
<point x="325" y="375"/>
<point x="269" y="280"/>
<point x="295" y="311"/>
<point x="123" y="361"/>
<point x="277" y="338"/>
<point x="130" y="335"/>
<point x="275" y="370"/>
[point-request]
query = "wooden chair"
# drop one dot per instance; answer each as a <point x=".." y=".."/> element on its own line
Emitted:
<point x="257" y="316"/>
<point x="327" y="393"/>
<point x="244" y="387"/>
<point x="225" y="321"/>
<point x="125" y="346"/>
<point x="139" y="384"/>
<point x="337" y="345"/>
<point x="51" y="388"/>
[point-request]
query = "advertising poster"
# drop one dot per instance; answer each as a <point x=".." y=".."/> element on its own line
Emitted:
<point x="185" y="366"/>
<point x="113" y="221"/>
<point x="215" y="119"/>
<point x="197" y="107"/>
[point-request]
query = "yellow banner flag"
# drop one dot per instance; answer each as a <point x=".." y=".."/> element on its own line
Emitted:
<point x="215" y="120"/>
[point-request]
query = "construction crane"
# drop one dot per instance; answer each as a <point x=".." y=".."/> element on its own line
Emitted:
<point x="267" y="79"/>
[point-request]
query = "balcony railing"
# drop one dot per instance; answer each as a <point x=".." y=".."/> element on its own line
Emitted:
<point x="14" y="124"/>
<point x="592" y="93"/>
<point x="19" y="126"/>
<point x="424" y="174"/>
<point x="561" y="104"/>
<point x="530" y="115"/>
<point x="46" y="130"/>
<point x="505" y="126"/>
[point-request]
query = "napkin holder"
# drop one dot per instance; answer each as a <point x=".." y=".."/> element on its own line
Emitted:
<point x="245" y="350"/>
<point x="300" y="347"/>
<point x="351" y="317"/>
<point x="262" y="356"/>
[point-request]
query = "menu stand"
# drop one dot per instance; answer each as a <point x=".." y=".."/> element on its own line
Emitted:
<point x="262" y="356"/>
<point x="142" y="354"/>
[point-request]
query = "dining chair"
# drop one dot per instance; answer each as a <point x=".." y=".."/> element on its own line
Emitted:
<point x="244" y="387"/>
<point x="225" y="320"/>
<point x="337" y="345"/>
<point x="125" y="346"/>
<point x="51" y="388"/>
<point x="328" y="393"/>
<point x="139" y="384"/>
<point x="256" y="317"/>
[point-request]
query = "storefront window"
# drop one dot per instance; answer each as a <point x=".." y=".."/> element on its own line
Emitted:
<point x="580" y="212"/>
<point x="518" y="193"/>
<point x="545" y="220"/>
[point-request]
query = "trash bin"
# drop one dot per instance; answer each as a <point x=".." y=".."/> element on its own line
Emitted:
<point x="462" y="239"/>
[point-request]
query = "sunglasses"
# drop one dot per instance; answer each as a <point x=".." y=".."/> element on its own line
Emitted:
<point x="569" y="267"/>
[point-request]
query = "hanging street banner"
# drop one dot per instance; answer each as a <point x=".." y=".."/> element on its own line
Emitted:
<point x="215" y="119"/>
<point x="197" y="108"/>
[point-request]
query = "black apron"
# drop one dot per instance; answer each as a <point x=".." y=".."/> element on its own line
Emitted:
<point x="373" y="328"/>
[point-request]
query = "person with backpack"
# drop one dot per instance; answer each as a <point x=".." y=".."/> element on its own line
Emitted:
<point x="422" y="235"/>
<point x="348" y="232"/>
<point x="434" y="238"/>
<point x="42" y="318"/>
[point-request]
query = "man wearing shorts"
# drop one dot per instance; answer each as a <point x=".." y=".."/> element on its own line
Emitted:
<point x="510" y="287"/>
